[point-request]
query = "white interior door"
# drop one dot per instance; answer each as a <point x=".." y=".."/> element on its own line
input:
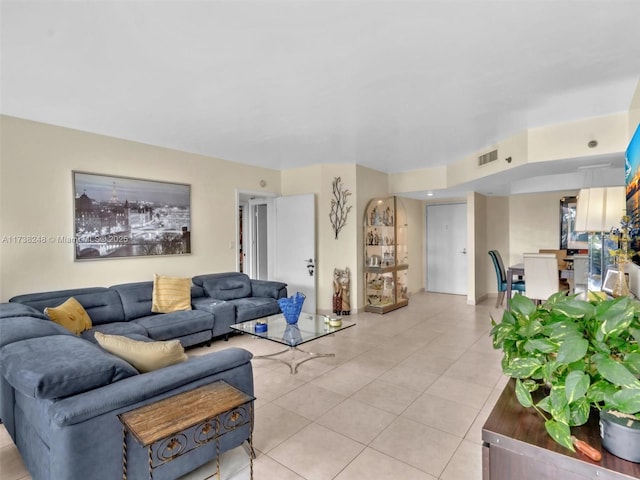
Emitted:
<point x="446" y="248"/>
<point x="296" y="246"/>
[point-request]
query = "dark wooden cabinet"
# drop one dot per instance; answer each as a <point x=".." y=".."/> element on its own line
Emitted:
<point x="517" y="446"/>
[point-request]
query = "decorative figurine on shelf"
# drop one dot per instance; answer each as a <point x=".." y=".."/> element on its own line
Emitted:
<point x="341" y="291"/>
<point x="386" y="218"/>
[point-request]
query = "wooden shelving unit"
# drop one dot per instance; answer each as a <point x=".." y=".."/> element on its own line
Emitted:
<point x="385" y="255"/>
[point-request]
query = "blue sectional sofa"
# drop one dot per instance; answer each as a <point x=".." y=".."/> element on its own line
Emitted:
<point x="60" y="397"/>
<point x="233" y="297"/>
<point x="61" y="394"/>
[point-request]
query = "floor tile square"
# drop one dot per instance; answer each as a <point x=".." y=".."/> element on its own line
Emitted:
<point x="317" y="453"/>
<point x="418" y="445"/>
<point x="356" y="420"/>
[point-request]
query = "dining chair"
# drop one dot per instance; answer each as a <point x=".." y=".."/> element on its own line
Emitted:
<point x="541" y="273"/>
<point x="501" y="276"/>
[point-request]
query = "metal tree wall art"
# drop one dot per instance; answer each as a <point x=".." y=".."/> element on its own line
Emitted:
<point x="339" y="208"/>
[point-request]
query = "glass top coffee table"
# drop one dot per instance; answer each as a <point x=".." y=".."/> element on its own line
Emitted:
<point x="309" y="327"/>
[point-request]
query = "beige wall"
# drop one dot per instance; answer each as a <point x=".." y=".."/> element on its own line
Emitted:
<point x="548" y="143"/>
<point x="331" y="252"/>
<point x="476" y="249"/>
<point x="36" y="198"/>
<point x="569" y="140"/>
<point x="534" y="223"/>
<point x="497" y="237"/>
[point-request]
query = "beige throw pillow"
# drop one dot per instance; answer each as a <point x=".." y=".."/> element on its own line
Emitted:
<point x="170" y="294"/>
<point x="71" y="315"/>
<point x="144" y="356"/>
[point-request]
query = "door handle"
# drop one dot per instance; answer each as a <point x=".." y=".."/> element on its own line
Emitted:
<point x="464" y="250"/>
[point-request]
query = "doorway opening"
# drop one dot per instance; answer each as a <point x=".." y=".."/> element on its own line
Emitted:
<point x="253" y="235"/>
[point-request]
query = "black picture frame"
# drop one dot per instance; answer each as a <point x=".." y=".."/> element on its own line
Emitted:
<point x="117" y="217"/>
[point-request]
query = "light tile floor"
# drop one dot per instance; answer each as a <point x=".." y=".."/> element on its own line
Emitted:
<point x="405" y="397"/>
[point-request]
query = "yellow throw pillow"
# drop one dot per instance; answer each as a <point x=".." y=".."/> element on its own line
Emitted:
<point x="170" y="294"/>
<point x="144" y="356"/>
<point x="71" y="315"/>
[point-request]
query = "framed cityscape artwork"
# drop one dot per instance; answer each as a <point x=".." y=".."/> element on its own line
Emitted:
<point x="128" y="217"/>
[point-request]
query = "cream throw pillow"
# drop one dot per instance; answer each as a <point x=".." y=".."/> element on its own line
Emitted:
<point x="71" y="315"/>
<point x="144" y="356"/>
<point x="170" y="294"/>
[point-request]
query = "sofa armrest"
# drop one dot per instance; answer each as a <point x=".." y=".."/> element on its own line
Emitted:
<point x="15" y="329"/>
<point x="142" y="389"/>
<point x="268" y="288"/>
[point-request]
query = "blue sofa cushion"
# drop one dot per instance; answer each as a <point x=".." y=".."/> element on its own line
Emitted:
<point x="176" y="324"/>
<point x="255" y="307"/>
<point x="137" y="298"/>
<point x="268" y="288"/>
<point x="14" y="329"/>
<point x="225" y="286"/>
<point x="126" y="329"/>
<point x="8" y="310"/>
<point x="102" y="305"/>
<point x="60" y="366"/>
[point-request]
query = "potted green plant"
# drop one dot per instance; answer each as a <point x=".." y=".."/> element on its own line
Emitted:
<point x="582" y="354"/>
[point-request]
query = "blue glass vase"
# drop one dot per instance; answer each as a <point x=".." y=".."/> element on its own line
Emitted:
<point x="291" y="307"/>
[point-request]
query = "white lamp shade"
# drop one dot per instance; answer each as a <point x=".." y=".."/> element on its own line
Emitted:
<point x="600" y="209"/>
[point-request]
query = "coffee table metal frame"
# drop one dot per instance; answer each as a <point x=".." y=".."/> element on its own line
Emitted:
<point x="309" y="327"/>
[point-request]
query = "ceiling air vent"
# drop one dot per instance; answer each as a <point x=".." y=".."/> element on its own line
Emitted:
<point x="489" y="157"/>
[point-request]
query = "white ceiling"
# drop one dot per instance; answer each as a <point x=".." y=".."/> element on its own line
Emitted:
<point x="392" y="85"/>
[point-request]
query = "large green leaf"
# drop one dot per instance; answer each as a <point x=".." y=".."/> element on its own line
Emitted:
<point x="530" y="328"/>
<point x="548" y="370"/>
<point x="572" y="349"/>
<point x="523" y="395"/>
<point x="600" y="390"/>
<point x="576" y="385"/>
<point x="632" y="362"/>
<point x="579" y="412"/>
<point x="501" y="332"/>
<point x="560" y="432"/>
<point x="627" y="400"/>
<point x="545" y="404"/>
<point x="615" y="372"/>
<point x="615" y="322"/>
<point x="540" y="345"/>
<point x="559" y="405"/>
<point x="611" y="308"/>
<point x="560" y="330"/>
<point x="507" y="317"/>
<point x="522" y="305"/>
<point x="522" y="367"/>
<point x="574" y="309"/>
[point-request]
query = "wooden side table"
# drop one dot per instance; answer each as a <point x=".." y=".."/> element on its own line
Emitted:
<point x="517" y="446"/>
<point x="176" y="425"/>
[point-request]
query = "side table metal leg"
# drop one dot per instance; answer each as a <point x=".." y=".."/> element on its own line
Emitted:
<point x="150" y="463"/>
<point x="251" y="457"/>
<point x="124" y="452"/>
<point x="218" y="457"/>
